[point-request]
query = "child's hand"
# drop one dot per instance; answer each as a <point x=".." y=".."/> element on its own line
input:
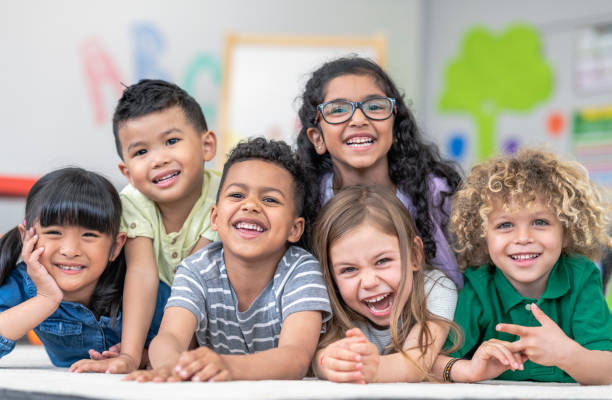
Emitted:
<point x="162" y="374"/>
<point x="122" y="364"/>
<point x="112" y="352"/>
<point x="339" y="363"/>
<point x="46" y="286"/>
<point x="370" y="359"/>
<point x="491" y="359"/>
<point x="544" y="344"/>
<point x="202" y="365"/>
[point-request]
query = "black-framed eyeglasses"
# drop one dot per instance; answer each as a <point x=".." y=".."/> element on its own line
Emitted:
<point x="339" y="111"/>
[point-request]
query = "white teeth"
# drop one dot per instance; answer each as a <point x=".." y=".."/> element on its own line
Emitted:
<point x="522" y="257"/>
<point x="252" y="227"/>
<point x="360" y="142"/>
<point x="172" y="175"/>
<point x="70" y="267"/>
<point x="377" y="299"/>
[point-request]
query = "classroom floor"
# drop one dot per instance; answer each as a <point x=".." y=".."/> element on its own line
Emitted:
<point x="26" y="373"/>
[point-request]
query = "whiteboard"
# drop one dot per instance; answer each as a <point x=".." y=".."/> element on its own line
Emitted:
<point x="265" y="75"/>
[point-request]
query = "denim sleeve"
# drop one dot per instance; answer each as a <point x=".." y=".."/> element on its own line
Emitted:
<point x="12" y="293"/>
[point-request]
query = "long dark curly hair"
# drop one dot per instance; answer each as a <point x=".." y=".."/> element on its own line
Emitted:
<point x="411" y="159"/>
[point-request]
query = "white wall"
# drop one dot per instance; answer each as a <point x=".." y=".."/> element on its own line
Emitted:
<point x="49" y="117"/>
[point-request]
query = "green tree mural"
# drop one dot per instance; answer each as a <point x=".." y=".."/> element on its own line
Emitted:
<point x="496" y="73"/>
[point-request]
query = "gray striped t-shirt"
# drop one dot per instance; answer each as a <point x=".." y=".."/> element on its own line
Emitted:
<point x="202" y="287"/>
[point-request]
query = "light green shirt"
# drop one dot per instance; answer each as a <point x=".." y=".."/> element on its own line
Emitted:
<point x="141" y="218"/>
<point x="573" y="299"/>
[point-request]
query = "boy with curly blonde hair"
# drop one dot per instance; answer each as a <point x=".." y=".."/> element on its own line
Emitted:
<point x="526" y="228"/>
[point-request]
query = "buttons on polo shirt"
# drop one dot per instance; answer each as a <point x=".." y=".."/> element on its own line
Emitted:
<point x="528" y="307"/>
<point x="174" y="254"/>
<point x="173" y="241"/>
<point x="133" y="225"/>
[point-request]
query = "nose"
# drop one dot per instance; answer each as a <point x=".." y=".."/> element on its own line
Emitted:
<point x="160" y="158"/>
<point x="250" y="204"/>
<point x="523" y="235"/>
<point x="369" y="279"/>
<point x="70" y="247"/>
<point x="358" y="118"/>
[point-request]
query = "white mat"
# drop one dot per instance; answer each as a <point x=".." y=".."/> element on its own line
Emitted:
<point x="27" y="372"/>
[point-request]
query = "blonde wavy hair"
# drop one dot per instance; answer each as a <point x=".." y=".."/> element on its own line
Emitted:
<point x="378" y="206"/>
<point x="531" y="175"/>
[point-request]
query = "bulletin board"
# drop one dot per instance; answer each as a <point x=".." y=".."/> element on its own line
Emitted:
<point x="265" y="75"/>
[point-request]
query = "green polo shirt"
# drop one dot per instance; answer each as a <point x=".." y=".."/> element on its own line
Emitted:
<point x="573" y="299"/>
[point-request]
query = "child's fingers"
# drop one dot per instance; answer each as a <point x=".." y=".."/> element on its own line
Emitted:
<point x="209" y="371"/>
<point x="513" y="329"/>
<point x="109" y="354"/>
<point x="341" y="353"/>
<point x="89" y="366"/>
<point x="355" y="332"/>
<point x="539" y="315"/>
<point x="338" y="376"/>
<point x="341" y="365"/>
<point x="94" y="355"/>
<point x="187" y="370"/>
<point x="221" y="376"/>
<point x="363" y="348"/>
<point x="497" y="350"/>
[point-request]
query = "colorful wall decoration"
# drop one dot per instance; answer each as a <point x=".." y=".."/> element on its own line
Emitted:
<point x="493" y="74"/>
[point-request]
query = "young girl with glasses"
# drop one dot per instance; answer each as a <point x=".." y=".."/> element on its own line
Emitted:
<point x="356" y="129"/>
<point x="62" y="269"/>
<point x="391" y="311"/>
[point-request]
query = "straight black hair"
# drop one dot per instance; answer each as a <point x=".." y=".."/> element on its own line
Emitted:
<point x="154" y="95"/>
<point x="74" y="197"/>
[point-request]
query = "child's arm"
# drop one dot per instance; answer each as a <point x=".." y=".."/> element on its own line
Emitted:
<point x="18" y="320"/>
<point x="490" y="359"/>
<point x="395" y="367"/>
<point x="139" y="294"/>
<point x="290" y="360"/>
<point x="549" y="345"/>
<point x="174" y="337"/>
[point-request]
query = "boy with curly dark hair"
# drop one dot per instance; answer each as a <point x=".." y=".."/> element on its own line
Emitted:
<point x="255" y="302"/>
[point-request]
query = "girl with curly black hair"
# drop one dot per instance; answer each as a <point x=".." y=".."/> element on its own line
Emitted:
<point x="356" y="129"/>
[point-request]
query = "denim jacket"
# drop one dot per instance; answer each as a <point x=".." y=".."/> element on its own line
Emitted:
<point x="72" y="329"/>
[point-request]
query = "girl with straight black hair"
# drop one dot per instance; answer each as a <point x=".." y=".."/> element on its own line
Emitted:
<point x="62" y="270"/>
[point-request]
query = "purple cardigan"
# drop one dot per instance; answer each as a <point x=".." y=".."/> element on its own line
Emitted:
<point x="445" y="259"/>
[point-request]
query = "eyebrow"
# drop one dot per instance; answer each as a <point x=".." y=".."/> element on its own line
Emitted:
<point x="365" y="98"/>
<point x="264" y="189"/>
<point x="160" y="134"/>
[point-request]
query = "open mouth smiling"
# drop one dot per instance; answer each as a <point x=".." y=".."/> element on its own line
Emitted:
<point x="166" y="177"/>
<point x="379" y="304"/>
<point x="360" y="141"/>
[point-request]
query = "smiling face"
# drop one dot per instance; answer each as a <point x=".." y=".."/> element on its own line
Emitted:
<point x="525" y="243"/>
<point x="358" y="143"/>
<point x="368" y="276"/>
<point x="164" y="156"/>
<point x="255" y="215"/>
<point x="76" y="257"/>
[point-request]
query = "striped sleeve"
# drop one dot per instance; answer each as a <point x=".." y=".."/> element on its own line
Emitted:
<point x="304" y="289"/>
<point x="188" y="292"/>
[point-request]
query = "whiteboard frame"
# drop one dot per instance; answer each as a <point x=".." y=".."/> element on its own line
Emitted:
<point x="377" y="43"/>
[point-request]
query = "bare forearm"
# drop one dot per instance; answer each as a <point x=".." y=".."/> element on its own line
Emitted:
<point x="140" y="293"/>
<point x="165" y="349"/>
<point x="287" y="362"/>
<point x="588" y="367"/>
<point x="17" y="321"/>
<point x="397" y="368"/>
